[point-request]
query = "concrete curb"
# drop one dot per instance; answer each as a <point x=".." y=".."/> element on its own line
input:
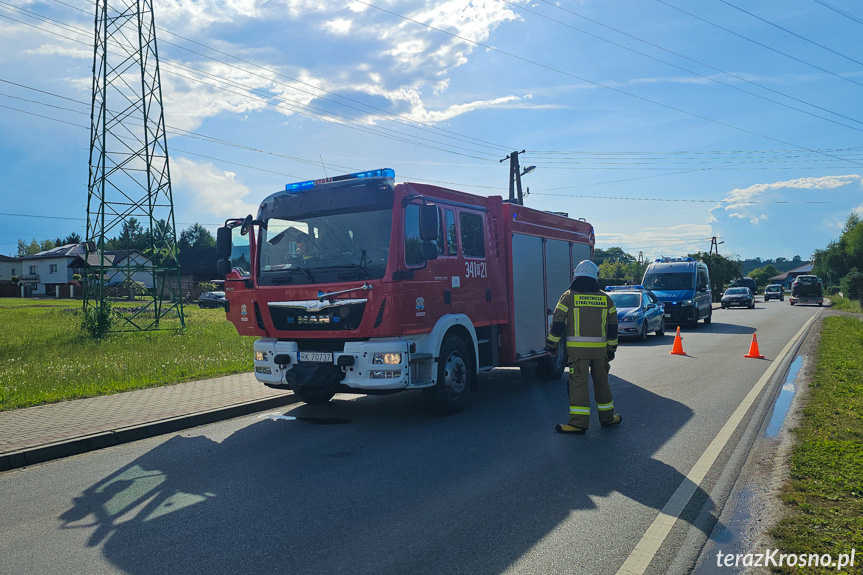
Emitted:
<point x="77" y="445"/>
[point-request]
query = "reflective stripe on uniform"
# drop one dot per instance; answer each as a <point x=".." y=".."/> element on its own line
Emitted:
<point x="612" y="341"/>
<point x="577" y="410"/>
<point x="605" y="406"/>
<point x="586" y="339"/>
<point x="554" y="338"/>
<point x="576" y="321"/>
<point x="586" y="344"/>
<point x="604" y="319"/>
<point x="562" y="307"/>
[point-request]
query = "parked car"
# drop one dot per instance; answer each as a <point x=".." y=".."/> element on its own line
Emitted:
<point x="639" y="312"/>
<point x="212" y="299"/>
<point x="739" y="296"/>
<point x="774" y="291"/>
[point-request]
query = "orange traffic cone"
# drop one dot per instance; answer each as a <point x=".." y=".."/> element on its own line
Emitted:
<point x="753" y="349"/>
<point x="677" y="349"/>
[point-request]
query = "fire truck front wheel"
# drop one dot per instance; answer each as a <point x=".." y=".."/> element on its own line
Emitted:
<point x="454" y="377"/>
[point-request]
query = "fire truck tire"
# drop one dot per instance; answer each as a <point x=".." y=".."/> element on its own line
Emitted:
<point x="454" y="378"/>
<point x="551" y="368"/>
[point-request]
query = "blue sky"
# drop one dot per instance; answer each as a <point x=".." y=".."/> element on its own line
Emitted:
<point x="662" y="123"/>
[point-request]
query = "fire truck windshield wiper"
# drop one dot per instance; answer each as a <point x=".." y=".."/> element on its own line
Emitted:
<point x="323" y="295"/>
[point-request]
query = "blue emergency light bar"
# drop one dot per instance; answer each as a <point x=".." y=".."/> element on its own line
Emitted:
<point x="666" y="260"/>
<point x="310" y="184"/>
<point x="625" y="288"/>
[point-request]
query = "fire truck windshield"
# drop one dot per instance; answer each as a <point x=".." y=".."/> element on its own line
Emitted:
<point x="325" y="248"/>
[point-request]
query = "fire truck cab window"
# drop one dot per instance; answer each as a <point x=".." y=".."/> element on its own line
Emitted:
<point x="413" y="243"/>
<point x="472" y="236"/>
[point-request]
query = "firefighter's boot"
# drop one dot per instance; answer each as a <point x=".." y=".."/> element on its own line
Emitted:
<point x="614" y="421"/>
<point x="569" y="429"/>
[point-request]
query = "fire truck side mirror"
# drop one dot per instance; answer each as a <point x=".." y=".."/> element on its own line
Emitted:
<point x="223" y="243"/>
<point x="429" y="251"/>
<point x="223" y="267"/>
<point x="429" y="224"/>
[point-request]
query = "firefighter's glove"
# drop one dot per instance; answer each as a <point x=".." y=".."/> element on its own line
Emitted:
<point x="609" y="353"/>
<point x="551" y="346"/>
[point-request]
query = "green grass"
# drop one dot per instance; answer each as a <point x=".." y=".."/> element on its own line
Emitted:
<point x="45" y="358"/>
<point x="825" y="496"/>
<point x="845" y="304"/>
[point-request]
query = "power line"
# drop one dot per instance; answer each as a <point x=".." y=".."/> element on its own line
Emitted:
<point x="384" y="114"/>
<point x="591" y="82"/>
<point x="299" y="108"/>
<point x="688" y="71"/>
<point x="840" y="11"/>
<point x="756" y="42"/>
<point x="786" y="30"/>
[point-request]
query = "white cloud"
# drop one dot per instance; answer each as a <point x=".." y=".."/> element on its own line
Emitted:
<point x="338" y="26"/>
<point x="210" y="189"/>
<point x="744" y="203"/>
<point x="55" y="50"/>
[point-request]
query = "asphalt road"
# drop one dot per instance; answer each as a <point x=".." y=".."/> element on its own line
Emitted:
<point x="377" y="485"/>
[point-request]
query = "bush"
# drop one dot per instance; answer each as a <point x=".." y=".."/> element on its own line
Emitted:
<point x="852" y="285"/>
<point x="97" y="321"/>
<point x="206" y="286"/>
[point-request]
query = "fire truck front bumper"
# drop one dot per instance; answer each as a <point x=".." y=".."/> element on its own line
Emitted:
<point x="382" y="364"/>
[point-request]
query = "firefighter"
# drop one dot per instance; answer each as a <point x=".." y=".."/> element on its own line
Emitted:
<point x="585" y="320"/>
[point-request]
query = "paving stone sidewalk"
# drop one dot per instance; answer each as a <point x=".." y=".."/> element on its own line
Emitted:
<point x="36" y="434"/>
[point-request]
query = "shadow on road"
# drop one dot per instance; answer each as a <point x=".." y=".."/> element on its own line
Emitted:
<point x="390" y="490"/>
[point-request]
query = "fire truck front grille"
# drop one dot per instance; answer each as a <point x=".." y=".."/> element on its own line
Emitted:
<point x="345" y="317"/>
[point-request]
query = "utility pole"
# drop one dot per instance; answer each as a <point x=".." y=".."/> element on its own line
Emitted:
<point x="714" y="246"/>
<point x="129" y="188"/>
<point x="515" y="174"/>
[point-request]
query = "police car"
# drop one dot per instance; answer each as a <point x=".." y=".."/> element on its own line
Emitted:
<point x="639" y="312"/>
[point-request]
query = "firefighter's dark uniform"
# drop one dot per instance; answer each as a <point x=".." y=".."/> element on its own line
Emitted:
<point x="589" y="322"/>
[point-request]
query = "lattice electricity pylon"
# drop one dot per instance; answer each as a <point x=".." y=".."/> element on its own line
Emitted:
<point x="129" y="191"/>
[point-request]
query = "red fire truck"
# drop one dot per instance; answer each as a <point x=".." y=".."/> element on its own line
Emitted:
<point x="358" y="284"/>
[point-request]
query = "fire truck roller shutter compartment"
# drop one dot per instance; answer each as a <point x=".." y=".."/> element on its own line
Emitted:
<point x="528" y="305"/>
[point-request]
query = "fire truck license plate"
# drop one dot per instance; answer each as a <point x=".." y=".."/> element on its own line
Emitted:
<point x="316" y="357"/>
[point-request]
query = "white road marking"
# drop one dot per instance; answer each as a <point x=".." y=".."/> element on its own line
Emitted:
<point x="651" y="541"/>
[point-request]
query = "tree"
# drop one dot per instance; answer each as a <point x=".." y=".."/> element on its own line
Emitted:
<point x="25" y="249"/>
<point x="762" y="275"/>
<point x="614" y="254"/>
<point x="72" y="238"/>
<point x="46" y="245"/>
<point x="852" y="285"/>
<point x="196" y="236"/>
<point x="132" y="237"/>
<point x="836" y="261"/>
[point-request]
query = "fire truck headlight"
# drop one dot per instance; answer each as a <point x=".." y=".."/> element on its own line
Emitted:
<point x="387" y="359"/>
<point x="260" y="356"/>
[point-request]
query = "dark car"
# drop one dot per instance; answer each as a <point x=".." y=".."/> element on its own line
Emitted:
<point x="774" y="291"/>
<point x="212" y="299"/>
<point x="738" y="296"/>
